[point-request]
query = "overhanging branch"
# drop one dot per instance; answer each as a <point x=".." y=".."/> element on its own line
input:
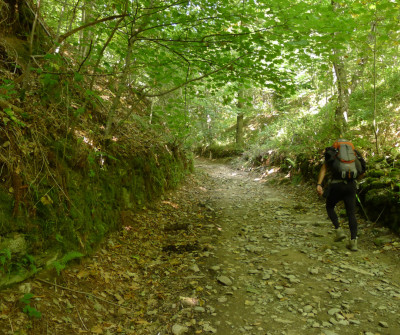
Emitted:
<point x="194" y="79"/>
<point x="93" y="23"/>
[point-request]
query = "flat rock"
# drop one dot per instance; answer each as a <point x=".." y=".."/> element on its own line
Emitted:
<point x="383" y="324"/>
<point x="208" y="329"/>
<point x="333" y="311"/>
<point x="329" y="332"/>
<point x="179" y="330"/>
<point x="222" y="299"/>
<point x="279" y="320"/>
<point x="289" y="291"/>
<point x="308" y="308"/>
<point x="224" y="280"/>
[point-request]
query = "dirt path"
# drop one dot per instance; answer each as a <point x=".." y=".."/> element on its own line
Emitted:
<point x="227" y="253"/>
<point x="286" y="275"/>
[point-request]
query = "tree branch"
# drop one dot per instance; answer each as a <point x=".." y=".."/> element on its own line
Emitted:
<point x="87" y="56"/>
<point x="73" y="31"/>
<point x="243" y="34"/>
<point x="159" y="9"/>
<point x="79" y="292"/>
<point x="172" y="24"/>
<point x="194" y="79"/>
<point x="173" y="51"/>
<point x="181" y="41"/>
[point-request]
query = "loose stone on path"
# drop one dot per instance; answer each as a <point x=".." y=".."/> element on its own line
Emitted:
<point x="224" y="280"/>
<point x="179" y="329"/>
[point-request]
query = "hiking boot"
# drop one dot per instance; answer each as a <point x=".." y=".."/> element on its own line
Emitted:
<point x="339" y="235"/>
<point x="352" y="245"/>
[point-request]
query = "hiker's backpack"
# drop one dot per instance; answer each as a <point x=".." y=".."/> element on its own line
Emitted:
<point x="345" y="162"/>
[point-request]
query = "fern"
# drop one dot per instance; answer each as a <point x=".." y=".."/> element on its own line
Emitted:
<point x="61" y="264"/>
<point x="5" y="259"/>
<point x="71" y="255"/>
<point x="5" y="255"/>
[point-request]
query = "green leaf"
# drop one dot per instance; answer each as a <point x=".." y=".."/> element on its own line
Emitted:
<point x="26" y="299"/>
<point x="32" y="312"/>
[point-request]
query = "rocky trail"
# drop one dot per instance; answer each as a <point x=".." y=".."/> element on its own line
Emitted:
<point x="230" y="252"/>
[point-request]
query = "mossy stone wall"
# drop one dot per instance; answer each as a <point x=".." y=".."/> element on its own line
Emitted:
<point x="380" y="191"/>
<point x="75" y="212"/>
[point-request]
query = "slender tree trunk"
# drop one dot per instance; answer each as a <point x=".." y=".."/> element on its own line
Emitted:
<point x="344" y="86"/>
<point x="376" y="129"/>
<point x="239" y="130"/>
<point x="101" y="53"/>
<point x="85" y="34"/>
<point x="73" y="17"/>
<point x="151" y="111"/>
<point x="341" y="112"/>
<point x="120" y="90"/>
<point x="122" y="85"/>
<point x="27" y="73"/>
<point x="240" y="120"/>
<point x="60" y="20"/>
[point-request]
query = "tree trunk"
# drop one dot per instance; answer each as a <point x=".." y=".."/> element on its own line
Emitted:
<point x="101" y="53"/>
<point x="239" y="121"/>
<point x="376" y="129"/>
<point x="26" y="79"/>
<point x="239" y="131"/>
<point x="342" y="108"/>
<point x="120" y="90"/>
<point x="344" y="86"/>
<point x="85" y="34"/>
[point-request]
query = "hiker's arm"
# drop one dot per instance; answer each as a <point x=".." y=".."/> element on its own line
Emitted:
<point x="321" y="177"/>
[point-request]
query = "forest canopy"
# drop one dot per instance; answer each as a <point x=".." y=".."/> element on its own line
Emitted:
<point x="253" y="73"/>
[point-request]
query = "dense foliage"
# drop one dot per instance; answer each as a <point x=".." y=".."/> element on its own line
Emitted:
<point x="195" y="66"/>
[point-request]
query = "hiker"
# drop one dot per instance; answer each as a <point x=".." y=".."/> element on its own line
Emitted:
<point x="344" y="164"/>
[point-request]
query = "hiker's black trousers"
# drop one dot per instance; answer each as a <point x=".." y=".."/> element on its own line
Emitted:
<point x="347" y="193"/>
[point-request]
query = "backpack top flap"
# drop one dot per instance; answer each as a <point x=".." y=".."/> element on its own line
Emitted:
<point x="346" y="152"/>
<point x="345" y="165"/>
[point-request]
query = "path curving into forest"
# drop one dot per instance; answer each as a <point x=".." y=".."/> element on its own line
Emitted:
<point x="229" y="252"/>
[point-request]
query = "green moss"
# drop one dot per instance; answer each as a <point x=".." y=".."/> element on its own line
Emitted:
<point x="6" y="206"/>
<point x="378" y="184"/>
<point x="395" y="173"/>
<point x="82" y="210"/>
<point x="375" y="173"/>
<point x="378" y="197"/>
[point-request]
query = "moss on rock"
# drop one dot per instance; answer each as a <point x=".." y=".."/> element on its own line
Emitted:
<point x="80" y="206"/>
<point x="375" y="173"/>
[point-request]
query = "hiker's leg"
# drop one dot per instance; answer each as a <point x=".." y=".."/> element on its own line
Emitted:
<point x="333" y="198"/>
<point x="350" y="204"/>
